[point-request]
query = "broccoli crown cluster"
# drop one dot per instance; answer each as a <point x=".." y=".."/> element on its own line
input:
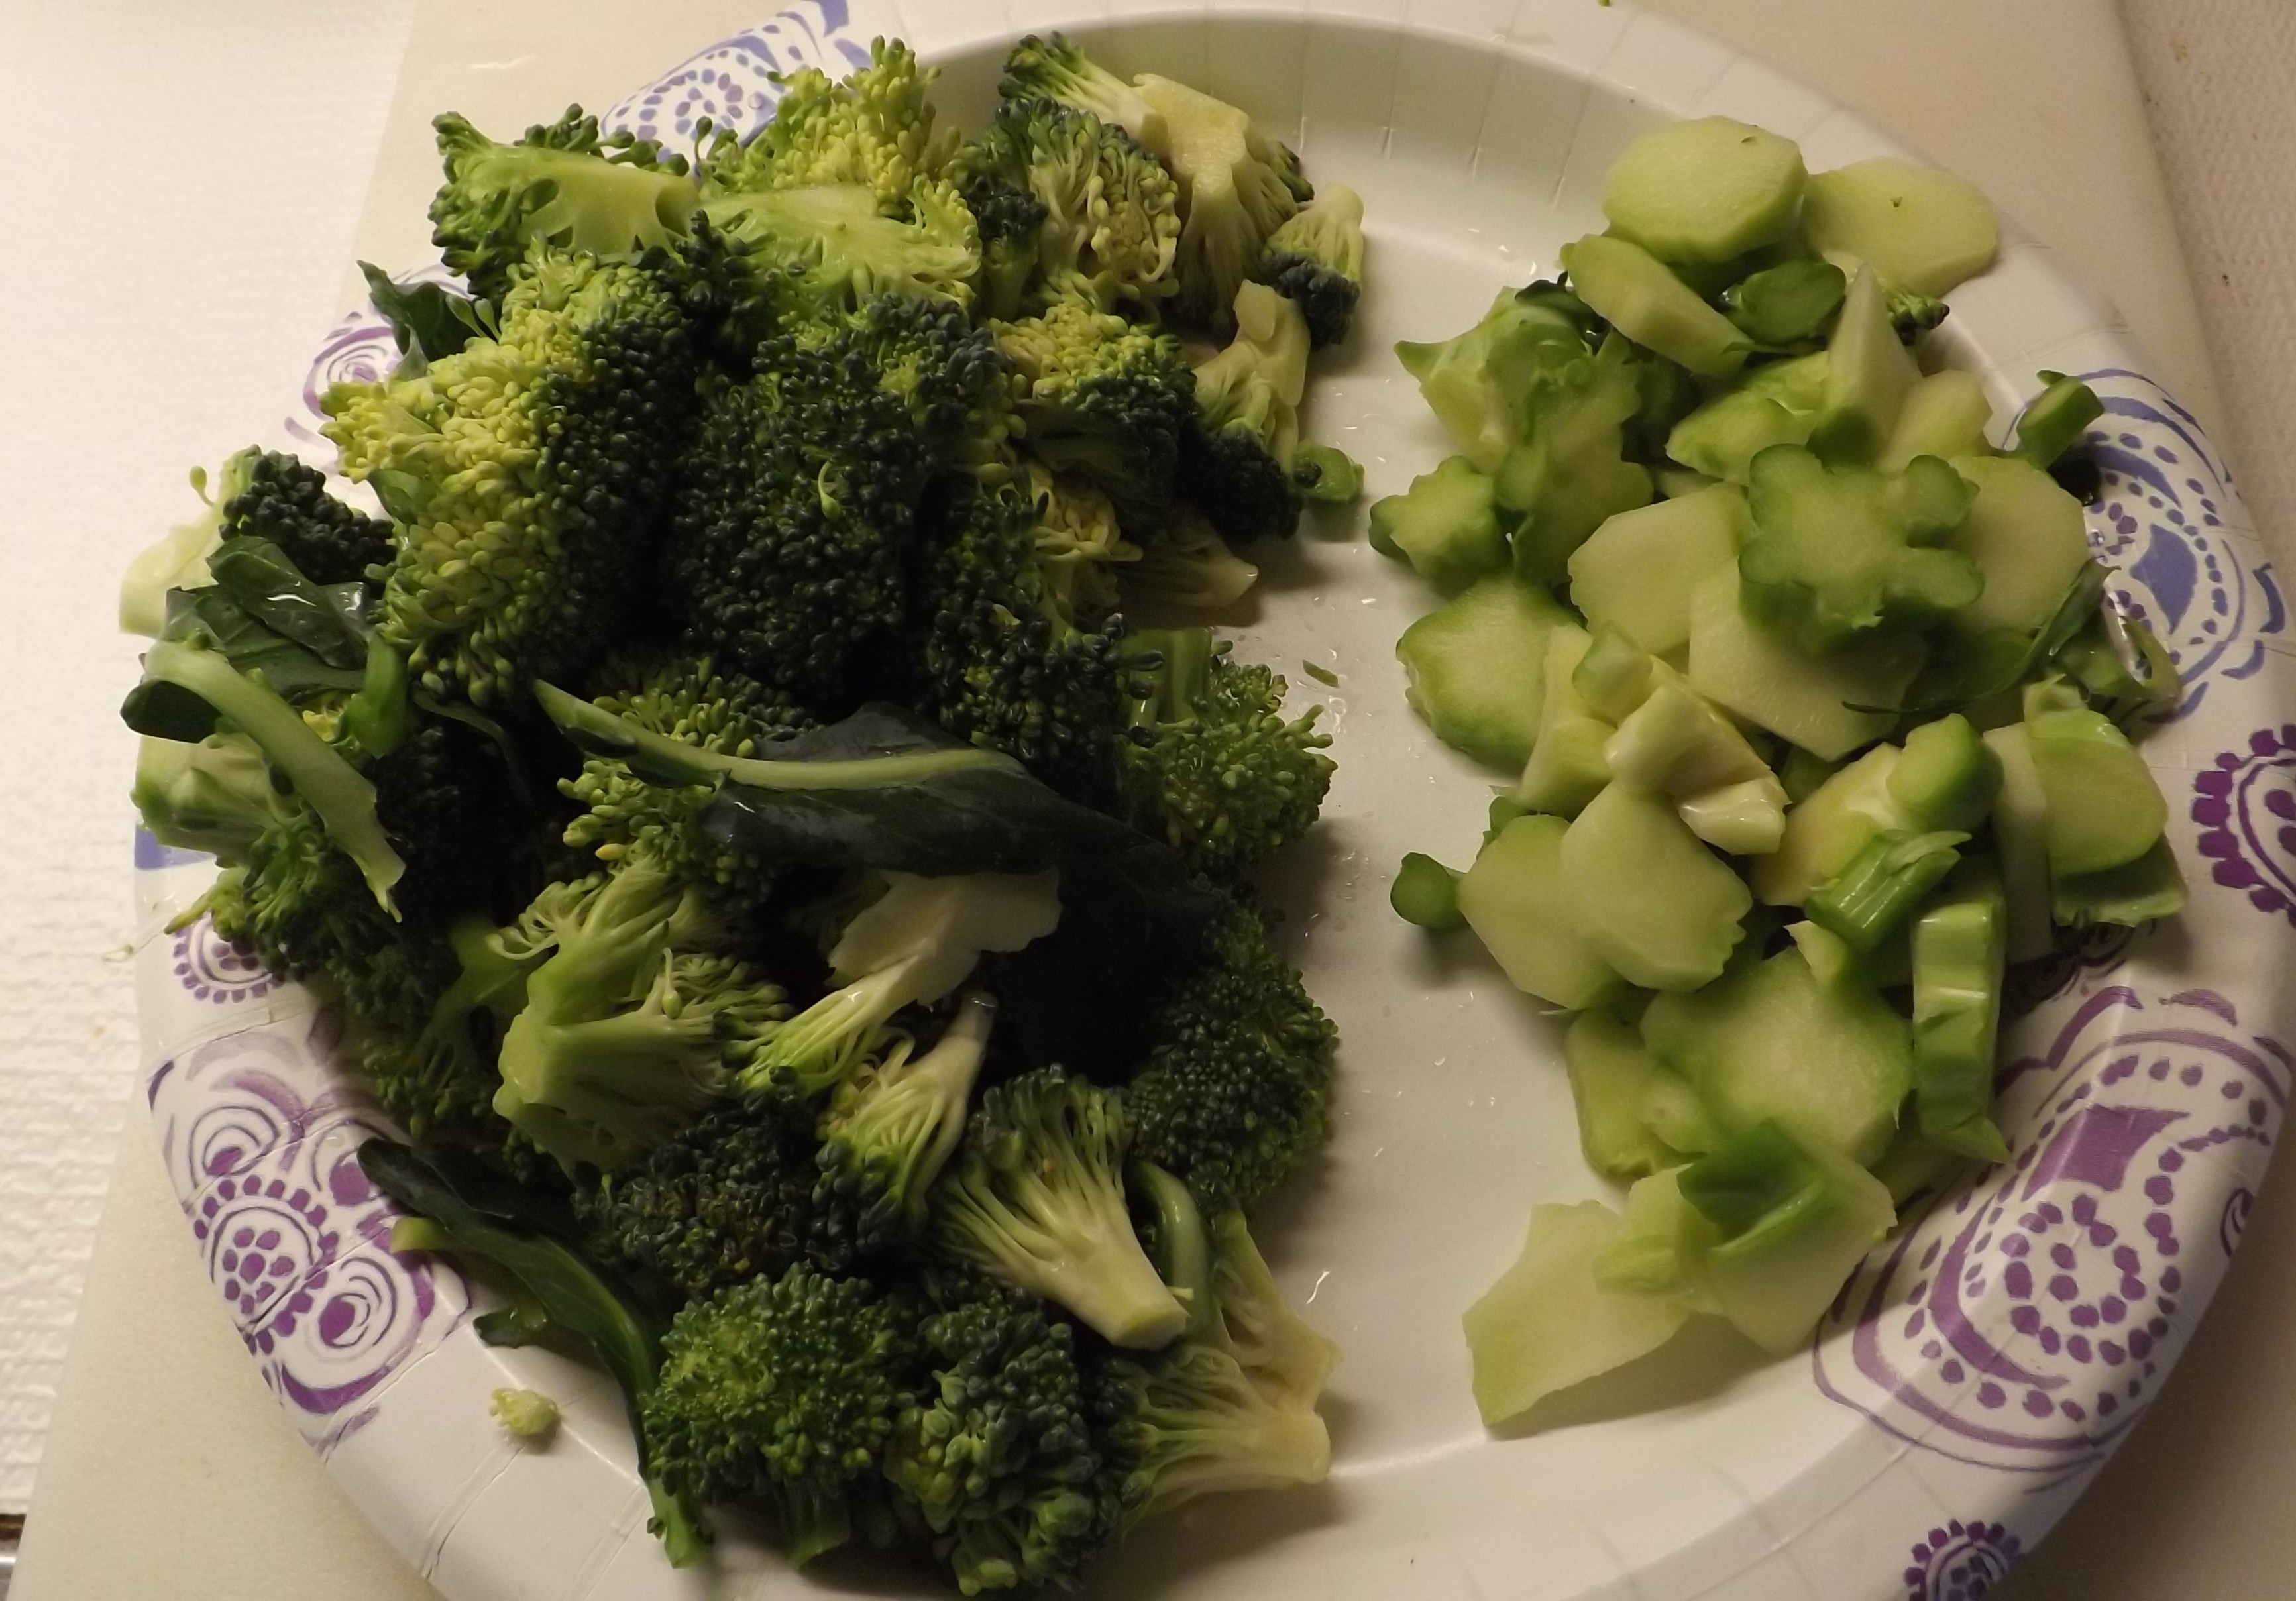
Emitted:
<point x="285" y="500"/>
<point x="874" y="128"/>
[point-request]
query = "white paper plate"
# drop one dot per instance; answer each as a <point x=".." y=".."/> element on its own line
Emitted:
<point x="1973" y="1376"/>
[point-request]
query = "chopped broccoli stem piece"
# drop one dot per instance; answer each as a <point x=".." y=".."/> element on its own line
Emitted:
<point x="1786" y="305"/>
<point x="2056" y="420"/>
<point x="1875" y="895"/>
<point x="1705" y="189"/>
<point x="1961" y="946"/>
<point x="2135" y="893"/>
<point x="2104" y="808"/>
<point x="1426" y="893"/>
<point x="1476" y="383"/>
<point x="1569" y="473"/>
<point x="1446" y="525"/>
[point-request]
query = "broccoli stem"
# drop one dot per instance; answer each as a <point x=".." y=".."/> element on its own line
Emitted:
<point x="1182" y="1244"/>
<point x="913" y="1112"/>
<point x="822" y="1044"/>
<point x="1871" y="897"/>
<point x="336" y="790"/>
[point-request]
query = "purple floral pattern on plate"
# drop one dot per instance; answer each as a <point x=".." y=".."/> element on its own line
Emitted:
<point x="212" y="968"/>
<point x="2023" y="1322"/>
<point x="1961" y="1561"/>
<point x="732" y="83"/>
<point x="2246" y="806"/>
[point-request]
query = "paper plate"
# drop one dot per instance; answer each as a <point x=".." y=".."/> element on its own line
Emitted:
<point x="1972" y="1377"/>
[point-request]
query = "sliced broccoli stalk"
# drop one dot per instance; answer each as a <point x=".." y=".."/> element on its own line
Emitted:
<point x="2105" y="808"/>
<point x="1056" y="68"/>
<point x="1704" y="190"/>
<point x="889" y="1130"/>
<point x="186" y="689"/>
<point x="1786" y="306"/>
<point x="837" y="249"/>
<point x="1327" y="474"/>
<point x="214" y="795"/>
<point x="1476" y="383"/>
<point x="1568" y="472"/>
<point x="2129" y="896"/>
<point x="1610" y="1069"/>
<point x="1446" y="525"/>
<point x="1634" y="291"/>
<point x="1037" y="1199"/>
<point x="1316" y="258"/>
<point x="2056" y="419"/>
<point x="1661" y="1246"/>
<point x="1569" y="765"/>
<point x="1236" y="191"/>
<point x="1838" y="552"/>
<point x="1646" y="894"/>
<point x="1878" y="892"/>
<point x="1945" y="778"/>
<point x="1426" y="893"/>
<point x="1961" y="946"/>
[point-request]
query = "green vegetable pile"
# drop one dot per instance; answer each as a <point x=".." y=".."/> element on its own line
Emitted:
<point x="1817" y="720"/>
<point x="805" y="933"/>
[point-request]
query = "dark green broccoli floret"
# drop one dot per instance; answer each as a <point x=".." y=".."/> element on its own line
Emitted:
<point x="828" y="248"/>
<point x="784" y="1390"/>
<point x="734" y="1197"/>
<point x="1101" y="397"/>
<point x="1212" y="766"/>
<point x="1036" y="1198"/>
<point x="562" y="184"/>
<point x="1008" y="218"/>
<point x="997" y="1456"/>
<point x="890" y="1128"/>
<point x="1112" y="220"/>
<point x="1316" y="259"/>
<point x="1055" y="68"/>
<point x="874" y="128"/>
<point x="286" y="502"/>
<point x="524" y="474"/>
<point x="1235" y="1093"/>
<point x="1239" y="458"/>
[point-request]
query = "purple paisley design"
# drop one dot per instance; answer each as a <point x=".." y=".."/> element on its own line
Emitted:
<point x="1961" y="1561"/>
<point x="2164" y="521"/>
<point x="2246" y="806"/>
<point x="2023" y="1322"/>
<point x="261" y="1140"/>
<point x="2079" y="968"/>
<point x="212" y="968"/>
<point x="732" y="83"/>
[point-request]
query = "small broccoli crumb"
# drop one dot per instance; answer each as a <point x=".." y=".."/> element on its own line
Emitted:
<point x="529" y="1414"/>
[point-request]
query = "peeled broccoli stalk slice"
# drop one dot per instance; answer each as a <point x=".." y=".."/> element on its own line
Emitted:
<point x="1945" y="777"/>
<point x="1661" y="1246"/>
<point x="2021" y="834"/>
<point x="213" y="795"/>
<point x="2129" y="896"/>
<point x="1646" y="895"/>
<point x="2028" y="538"/>
<point x="1708" y="189"/>
<point x="1233" y="197"/>
<point x="1797" y="1215"/>
<point x="1771" y="1041"/>
<point x="1678" y="744"/>
<point x="1615" y="674"/>
<point x="1446" y="525"/>
<point x="1945" y="414"/>
<point x="837" y="249"/>
<point x="210" y="689"/>
<point x="1426" y="893"/>
<point x="1567" y="767"/>
<point x="1569" y="471"/>
<point x="1786" y="305"/>
<point x="571" y="1296"/>
<point x="1315" y="258"/>
<point x="1676" y="1117"/>
<point x="1476" y="667"/>
<point x="1477" y="381"/>
<point x="1547" y="1324"/>
<point x="1610" y="1068"/>
<point x="2056" y="420"/>
<point x="1878" y="892"/>
<point x="888" y="1133"/>
<point x="1868" y="375"/>
<point x="1038" y="1200"/>
<point x="1634" y="291"/>
<point x="1924" y="230"/>
<point x="1829" y="705"/>
<point x="1960" y="951"/>
<point x="1637" y="572"/>
<point x="2104" y="809"/>
<point x="1838" y="553"/>
<point x="1509" y="897"/>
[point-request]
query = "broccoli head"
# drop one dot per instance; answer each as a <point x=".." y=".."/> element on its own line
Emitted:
<point x="524" y="474"/>
<point x="282" y="499"/>
<point x="1239" y="456"/>
<point x="997" y="1455"/>
<point x="784" y="1390"/>
<point x="1317" y="259"/>
<point x="826" y="247"/>
<point x="1235" y="1093"/>
<point x="1054" y="68"/>
<point x="874" y="128"/>
<point x="1036" y="1198"/>
<point x="1237" y="187"/>
<point x="1080" y="548"/>
<point x="563" y="185"/>
<point x="1212" y="766"/>
<point x="1101" y="399"/>
<point x="890" y="1128"/>
<point x="1008" y="218"/>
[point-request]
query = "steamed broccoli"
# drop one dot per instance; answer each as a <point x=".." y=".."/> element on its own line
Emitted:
<point x="784" y="1390"/>
<point x="524" y="474"/>
<point x="1103" y="399"/>
<point x="1317" y="259"/>
<point x="1212" y="766"/>
<point x="1008" y="218"/>
<point x="1235" y="1093"/>
<point x="1239" y="456"/>
<point x="890" y="1129"/>
<point x="875" y="128"/>
<point x="1237" y="187"/>
<point x="1055" y="68"/>
<point x="997" y="1455"/>
<point x="1184" y="563"/>
<point x="281" y="499"/>
<point x="1036" y="1198"/>
<point x="826" y="247"/>
<point x="563" y="184"/>
<point x="1080" y="549"/>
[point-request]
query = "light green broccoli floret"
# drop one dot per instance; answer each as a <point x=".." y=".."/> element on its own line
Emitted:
<point x="874" y="128"/>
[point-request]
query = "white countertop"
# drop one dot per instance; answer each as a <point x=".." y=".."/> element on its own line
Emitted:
<point x="164" y="314"/>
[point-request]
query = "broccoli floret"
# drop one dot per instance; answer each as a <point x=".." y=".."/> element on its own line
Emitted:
<point x="1237" y="187"/>
<point x="435" y="1075"/>
<point x="1103" y="399"/>
<point x="629" y="1026"/>
<point x="1212" y="766"/>
<point x="1914" y="315"/>
<point x="286" y="502"/>
<point x="1111" y="219"/>
<point x="214" y="796"/>
<point x="785" y="554"/>
<point x="910" y="946"/>
<point x="873" y="129"/>
<point x="1239" y="456"/>
<point x="1080" y="549"/>
<point x="1008" y="218"/>
<point x="523" y="474"/>
<point x="826" y="247"/>
<point x="733" y="1197"/>
<point x="890" y="1129"/>
<point x="997" y="1456"/>
<point x="997" y="661"/>
<point x="1055" y="68"/>
<point x="562" y="184"/>
<point x="1036" y="1198"/>
<point x="1184" y="563"/>
<point x="1317" y="259"/>
<point x="1229" y="1407"/>
<point x="1235" y="1093"/>
<point x="784" y="1390"/>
